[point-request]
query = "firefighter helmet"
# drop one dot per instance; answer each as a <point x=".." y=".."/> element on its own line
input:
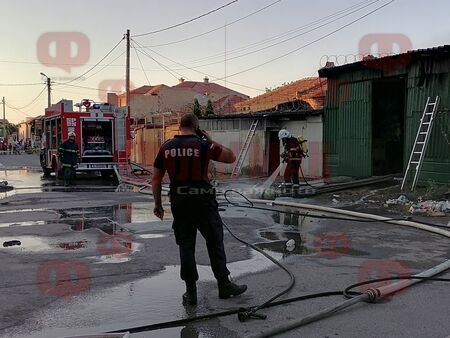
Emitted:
<point x="71" y="133"/>
<point x="283" y="133"/>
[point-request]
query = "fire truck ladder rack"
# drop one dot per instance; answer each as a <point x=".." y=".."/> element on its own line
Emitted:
<point x="243" y="153"/>
<point x="421" y="142"/>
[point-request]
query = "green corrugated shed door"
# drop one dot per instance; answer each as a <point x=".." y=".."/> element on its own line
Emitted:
<point x="355" y="129"/>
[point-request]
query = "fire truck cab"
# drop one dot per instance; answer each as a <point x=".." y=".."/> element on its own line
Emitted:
<point x="101" y="134"/>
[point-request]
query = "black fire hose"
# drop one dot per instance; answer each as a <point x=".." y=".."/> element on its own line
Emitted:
<point x="347" y="293"/>
<point x="247" y="313"/>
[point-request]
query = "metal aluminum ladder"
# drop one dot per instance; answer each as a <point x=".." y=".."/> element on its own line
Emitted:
<point x="420" y="144"/>
<point x="243" y="153"/>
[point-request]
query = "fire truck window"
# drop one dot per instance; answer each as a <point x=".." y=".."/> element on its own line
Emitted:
<point x="97" y="138"/>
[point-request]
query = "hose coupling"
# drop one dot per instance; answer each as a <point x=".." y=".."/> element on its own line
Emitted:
<point x="373" y="294"/>
<point x="244" y="314"/>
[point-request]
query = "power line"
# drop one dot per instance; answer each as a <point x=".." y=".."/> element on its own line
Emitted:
<point x="279" y="42"/>
<point x="53" y="64"/>
<point x="107" y="65"/>
<point x="20" y="84"/>
<point x="217" y="28"/>
<point x="186" y="67"/>
<point x="18" y="110"/>
<point x="312" y="42"/>
<point x="103" y="58"/>
<point x="76" y="86"/>
<point x="34" y="100"/>
<point x="66" y="91"/>
<point x="281" y="35"/>
<point x="187" y="21"/>
<point x="167" y="69"/>
<point x="140" y="62"/>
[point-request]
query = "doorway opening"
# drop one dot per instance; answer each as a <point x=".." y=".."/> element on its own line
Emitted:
<point x="274" y="152"/>
<point x="388" y="126"/>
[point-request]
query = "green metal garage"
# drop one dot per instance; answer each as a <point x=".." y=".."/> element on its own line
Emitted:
<point x="373" y="110"/>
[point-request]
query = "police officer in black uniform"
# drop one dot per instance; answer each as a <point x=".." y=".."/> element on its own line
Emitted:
<point x="193" y="203"/>
<point x="68" y="156"/>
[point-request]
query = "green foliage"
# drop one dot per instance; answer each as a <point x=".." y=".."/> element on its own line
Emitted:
<point x="10" y="128"/>
<point x="196" y="109"/>
<point x="209" y="108"/>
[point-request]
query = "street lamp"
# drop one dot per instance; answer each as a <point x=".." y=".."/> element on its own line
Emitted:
<point x="49" y="89"/>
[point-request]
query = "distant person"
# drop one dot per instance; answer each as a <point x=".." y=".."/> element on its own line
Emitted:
<point x="68" y="156"/>
<point x="193" y="203"/>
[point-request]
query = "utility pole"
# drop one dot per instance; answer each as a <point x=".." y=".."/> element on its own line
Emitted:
<point x="127" y="74"/>
<point x="4" y="119"/>
<point x="49" y="90"/>
<point x="127" y="89"/>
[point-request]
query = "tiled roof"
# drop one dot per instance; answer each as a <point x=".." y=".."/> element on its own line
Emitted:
<point x="310" y="90"/>
<point x="156" y="89"/>
<point x="207" y="87"/>
<point x="141" y="90"/>
<point x="226" y="105"/>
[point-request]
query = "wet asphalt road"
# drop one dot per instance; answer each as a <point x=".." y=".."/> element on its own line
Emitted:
<point x="128" y="265"/>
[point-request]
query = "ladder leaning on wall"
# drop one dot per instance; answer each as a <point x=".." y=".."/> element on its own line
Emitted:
<point x="243" y="153"/>
<point x="421" y="142"/>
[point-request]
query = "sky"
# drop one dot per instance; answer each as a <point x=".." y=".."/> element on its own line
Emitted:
<point x="253" y="44"/>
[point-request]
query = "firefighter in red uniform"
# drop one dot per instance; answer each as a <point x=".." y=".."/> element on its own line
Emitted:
<point x="193" y="203"/>
<point x="292" y="156"/>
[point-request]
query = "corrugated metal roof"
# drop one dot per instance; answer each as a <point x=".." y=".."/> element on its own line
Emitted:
<point x="368" y="61"/>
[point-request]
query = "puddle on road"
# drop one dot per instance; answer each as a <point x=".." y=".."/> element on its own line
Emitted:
<point x="278" y="240"/>
<point x="23" y="224"/>
<point x="39" y="244"/>
<point x="151" y="236"/>
<point x="142" y="302"/>
<point x="73" y="245"/>
<point x="138" y="212"/>
<point x="28" y="243"/>
<point x="35" y="181"/>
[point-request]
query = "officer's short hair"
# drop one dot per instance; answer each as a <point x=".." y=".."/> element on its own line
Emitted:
<point x="189" y="121"/>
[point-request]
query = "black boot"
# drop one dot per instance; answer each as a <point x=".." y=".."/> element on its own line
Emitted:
<point x="228" y="289"/>
<point x="190" y="296"/>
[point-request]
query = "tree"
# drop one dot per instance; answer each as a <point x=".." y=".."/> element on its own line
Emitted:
<point x="209" y="108"/>
<point x="10" y="128"/>
<point x="196" y="109"/>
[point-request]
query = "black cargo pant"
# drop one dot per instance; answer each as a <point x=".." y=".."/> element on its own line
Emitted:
<point x="69" y="173"/>
<point x="192" y="212"/>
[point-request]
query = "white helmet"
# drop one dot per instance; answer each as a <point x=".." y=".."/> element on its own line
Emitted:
<point x="71" y="133"/>
<point x="283" y="133"/>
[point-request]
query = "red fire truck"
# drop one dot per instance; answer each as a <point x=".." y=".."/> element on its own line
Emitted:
<point x="102" y="134"/>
